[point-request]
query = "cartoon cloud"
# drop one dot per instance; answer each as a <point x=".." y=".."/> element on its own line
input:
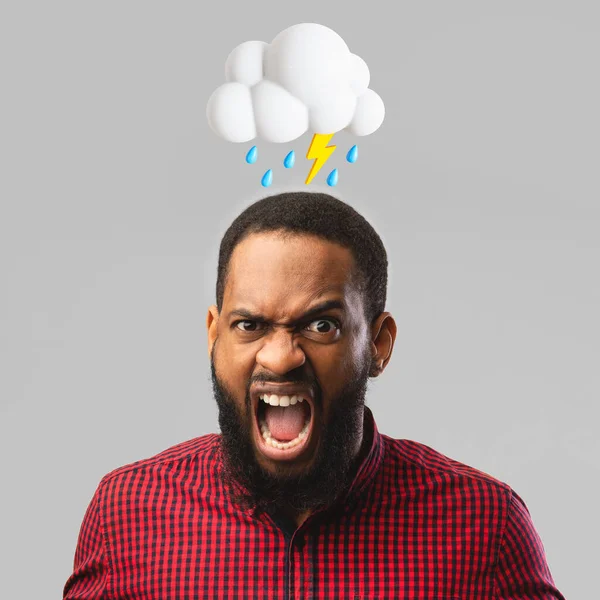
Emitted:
<point x="306" y="79"/>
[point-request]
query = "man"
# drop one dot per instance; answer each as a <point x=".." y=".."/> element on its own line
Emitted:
<point x="301" y="496"/>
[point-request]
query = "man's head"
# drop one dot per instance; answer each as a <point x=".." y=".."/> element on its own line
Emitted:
<point x="283" y="257"/>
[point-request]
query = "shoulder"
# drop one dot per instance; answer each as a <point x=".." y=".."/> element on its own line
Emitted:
<point x="184" y="456"/>
<point x="429" y="464"/>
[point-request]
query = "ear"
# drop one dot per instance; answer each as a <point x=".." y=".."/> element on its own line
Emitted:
<point x="212" y="321"/>
<point x="383" y="336"/>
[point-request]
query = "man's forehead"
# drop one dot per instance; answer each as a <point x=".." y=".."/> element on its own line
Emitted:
<point x="294" y="308"/>
<point x="267" y="264"/>
<point x="252" y="297"/>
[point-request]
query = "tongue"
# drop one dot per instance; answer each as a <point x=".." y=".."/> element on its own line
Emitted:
<point x="286" y="422"/>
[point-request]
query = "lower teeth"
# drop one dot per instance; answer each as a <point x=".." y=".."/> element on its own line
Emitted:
<point x="283" y="445"/>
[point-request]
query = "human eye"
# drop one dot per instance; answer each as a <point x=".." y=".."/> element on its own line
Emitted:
<point x="255" y="323"/>
<point x="328" y="328"/>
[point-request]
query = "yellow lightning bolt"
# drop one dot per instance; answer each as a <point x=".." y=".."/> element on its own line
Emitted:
<point x="320" y="151"/>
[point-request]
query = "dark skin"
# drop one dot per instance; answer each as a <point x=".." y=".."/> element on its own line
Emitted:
<point x="334" y="352"/>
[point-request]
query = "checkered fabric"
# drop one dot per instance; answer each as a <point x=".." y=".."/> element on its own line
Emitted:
<point x="414" y="524"/>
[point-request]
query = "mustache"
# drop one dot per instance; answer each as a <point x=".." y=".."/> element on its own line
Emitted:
<point x="279" y="380"/>
<point x="263" y="379"/>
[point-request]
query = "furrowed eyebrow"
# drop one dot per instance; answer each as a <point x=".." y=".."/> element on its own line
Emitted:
<point x="319" y="308"/>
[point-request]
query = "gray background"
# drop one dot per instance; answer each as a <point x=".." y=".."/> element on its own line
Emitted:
<point x="482" y="182"/>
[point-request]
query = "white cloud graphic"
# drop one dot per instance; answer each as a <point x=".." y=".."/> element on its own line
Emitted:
<point x="306" y="79"/>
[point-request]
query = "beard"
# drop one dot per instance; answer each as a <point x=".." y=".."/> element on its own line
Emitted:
<point x="332" y="469"/>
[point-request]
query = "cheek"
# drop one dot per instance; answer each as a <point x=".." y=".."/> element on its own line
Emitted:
<point x="352" y="361"/>
<point x="332" y="368"/>
<point x="235" y="367"/>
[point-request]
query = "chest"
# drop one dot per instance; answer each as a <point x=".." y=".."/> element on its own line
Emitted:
<point x="395" y="552"/>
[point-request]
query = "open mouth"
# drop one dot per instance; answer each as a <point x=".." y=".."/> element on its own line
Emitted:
<point x="295" y="419"/>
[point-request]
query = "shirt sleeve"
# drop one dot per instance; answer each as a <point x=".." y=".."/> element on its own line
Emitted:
<point x="522" y="569"/>
<point x="89" y="580"/>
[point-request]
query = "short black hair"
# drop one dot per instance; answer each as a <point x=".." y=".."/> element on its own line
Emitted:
<point x="321" y="215"/>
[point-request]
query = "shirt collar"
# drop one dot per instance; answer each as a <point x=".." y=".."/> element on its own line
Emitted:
<point x="364" y="475"/>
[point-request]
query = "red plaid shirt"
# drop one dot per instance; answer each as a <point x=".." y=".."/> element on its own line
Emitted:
<point x="414" y="524"/>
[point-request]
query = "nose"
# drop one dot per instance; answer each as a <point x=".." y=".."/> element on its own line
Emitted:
<point x="280" y="353"/>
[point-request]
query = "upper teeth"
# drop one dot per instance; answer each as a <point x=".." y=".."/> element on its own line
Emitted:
<point x="275" y="400"/>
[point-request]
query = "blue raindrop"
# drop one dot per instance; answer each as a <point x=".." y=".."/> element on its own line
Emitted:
<point x="289" y="160"/>
<point x="332" y="179"/>
<point x="352" y="154"/>
<point x="252" y="155"/>
<point x="267" y="178"/>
